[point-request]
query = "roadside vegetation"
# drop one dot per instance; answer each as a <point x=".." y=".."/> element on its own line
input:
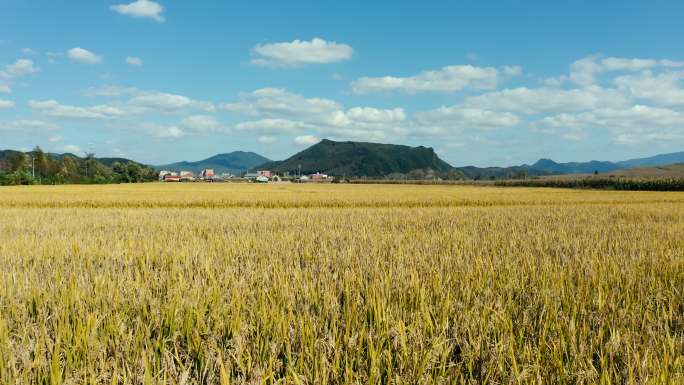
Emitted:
<point x="340" y="284"/>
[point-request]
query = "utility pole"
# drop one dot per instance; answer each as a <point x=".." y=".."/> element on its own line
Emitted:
<point x="33" y="166"/>
<point x="89" y="155"/>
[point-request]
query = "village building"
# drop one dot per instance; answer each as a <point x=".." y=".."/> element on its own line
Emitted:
<point x="187" y="176"/>
<point x="208" y="174"/>
<point x="320" y="178"/>
<point x="164" y="173"/>
<point x="171" y="178"/>
<point x="251" y="175"/>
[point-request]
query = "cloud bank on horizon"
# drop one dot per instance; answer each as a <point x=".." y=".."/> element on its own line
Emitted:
<point x="290" y="93"/>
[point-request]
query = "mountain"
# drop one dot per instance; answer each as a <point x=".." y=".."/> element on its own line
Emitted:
<point x="544" y="167"/>
<point x="551" y="167"/>
<point x="547" y="165"/>
<point x="654" y="161"/>
<point x="513" y="172"/>
<point x="360" y="159"/>
<point x="110" y="161"/>
<point x="375" y="160"/>
<point x="673" y="171"/>
<point x="4" y="154"/>
<point x="233" y="162"/>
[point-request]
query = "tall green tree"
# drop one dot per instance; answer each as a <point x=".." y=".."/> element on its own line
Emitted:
<point x="135" y="173"/>
<point x="43" y="162"/>
<point x="68" y="170"/>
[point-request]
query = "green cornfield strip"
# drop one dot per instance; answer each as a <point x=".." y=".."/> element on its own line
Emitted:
<point x="335" y="284"/>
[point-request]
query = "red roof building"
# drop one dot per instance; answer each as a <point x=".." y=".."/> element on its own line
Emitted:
<point x="171" y="178"/>
<point x="208" y="173"/>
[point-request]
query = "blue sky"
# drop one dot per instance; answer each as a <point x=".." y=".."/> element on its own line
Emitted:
<point x="483" y="82"/>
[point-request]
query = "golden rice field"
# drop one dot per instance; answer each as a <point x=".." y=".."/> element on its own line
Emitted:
<point x="340" y="284"/>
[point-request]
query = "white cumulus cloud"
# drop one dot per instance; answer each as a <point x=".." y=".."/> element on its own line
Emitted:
<point x="306" y="140"/>
<point x="71" y="148"/>
<point x="635" y="124"/>
<point x="455" y="119"/>
<point x="275" y="102"/>
<point x="369" y="114"/>
<point x="281" y="111"/>
<point x="82" y="55"/>
<point x="663" y="89"/>
<point x="141" y="9"/>
<point x="267" y="139"/>
<point x="54" y="109"/>
<point x="112" y="91"/>
<point x="300" y="52"/>
<point x="536" y="100"/>
<point x="27" y="126"/>
<point x="6" y="104"/>
<point x="19" y="68"/>
<point x="166" y="102"/>
<point x="447" y="79"/>
<point x="274" y="126"/>
<point x="134" y="61"/>
<point x="585" y="71"/>
<point x="202" y="124"/>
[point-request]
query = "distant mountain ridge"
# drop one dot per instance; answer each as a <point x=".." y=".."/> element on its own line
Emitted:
<point x="234" y="162"/>
<point x="361" y="159"/>
<point x="549" y="166"/>
<point x="654" y="161"/>
<point x="377" y="160"/>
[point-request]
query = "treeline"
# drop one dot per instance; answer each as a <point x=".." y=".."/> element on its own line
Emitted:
<point x="39" y="167"/>
<point x="626" y="184"/>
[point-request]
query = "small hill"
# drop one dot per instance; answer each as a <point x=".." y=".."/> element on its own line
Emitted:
<point x="110" y="161"/>
<point x="233" y="162"/>
<point x="360" y="159"/>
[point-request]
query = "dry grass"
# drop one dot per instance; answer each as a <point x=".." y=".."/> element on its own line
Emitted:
<point x="254" y="284"/>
